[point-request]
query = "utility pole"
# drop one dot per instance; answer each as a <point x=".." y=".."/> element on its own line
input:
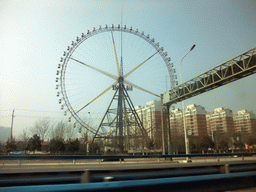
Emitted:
<point x="12" y="125"/>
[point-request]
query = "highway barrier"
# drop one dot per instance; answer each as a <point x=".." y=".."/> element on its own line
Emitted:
<point x="122" y="174"/>
<point x="120" y="157"/>
<point x="20" y="160"/>
<point x="241" y="174"/>
<point x="212" y="182"/>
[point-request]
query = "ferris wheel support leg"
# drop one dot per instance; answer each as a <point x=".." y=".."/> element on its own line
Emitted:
<point x="103" y="118"/>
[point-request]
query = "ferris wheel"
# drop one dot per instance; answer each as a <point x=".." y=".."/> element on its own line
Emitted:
<point x="107" y="65"/>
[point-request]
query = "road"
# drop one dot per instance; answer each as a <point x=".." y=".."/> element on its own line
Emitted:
<point x="65" y="165"/>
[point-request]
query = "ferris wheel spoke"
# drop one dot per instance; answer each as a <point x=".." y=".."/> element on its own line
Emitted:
<point x="140" y="88"/>
<point x="102" y="93"/>
<point x="117" y="64"/>
<point x="139" y="65"/>
<point x="99" y="70"/>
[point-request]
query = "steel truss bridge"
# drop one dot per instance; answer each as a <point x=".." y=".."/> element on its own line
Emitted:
<point x="240" y="66"/>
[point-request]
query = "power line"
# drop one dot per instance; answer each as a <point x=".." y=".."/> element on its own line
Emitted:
<point x="5" y="109"/>
<point x="39" y="110"/>
<point x="37" y="116"/>
<point x="33" y="110"/>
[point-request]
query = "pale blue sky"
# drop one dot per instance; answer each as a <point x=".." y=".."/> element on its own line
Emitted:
<point x="34" y="34"/>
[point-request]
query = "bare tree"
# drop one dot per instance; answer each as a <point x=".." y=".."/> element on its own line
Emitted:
<point x="63" y="130"/>
<point x="59" y="131"/>
<point x="70" y="131"/>
<point x="24" y="136"/>
<point x="41" y="128"/>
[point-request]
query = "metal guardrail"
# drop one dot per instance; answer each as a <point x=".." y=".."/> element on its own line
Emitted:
<point x="62" y="157"/>
<point x="121" y="174"/>
<point x="189" y="178"/>
<point x="215" y="182"/>
<point x="116" y="157"/>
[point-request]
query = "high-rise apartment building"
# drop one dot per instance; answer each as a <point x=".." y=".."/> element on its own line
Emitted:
<point x="245" y="123"/>
<point x="194" y="118"/>
<point x="220" y="121"/>
<point x="150" y="116"/>
<point x="176" y="122"/>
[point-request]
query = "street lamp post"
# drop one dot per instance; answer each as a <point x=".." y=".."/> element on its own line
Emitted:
<point x="162" y="125"/>
<point x="183" y="108"/>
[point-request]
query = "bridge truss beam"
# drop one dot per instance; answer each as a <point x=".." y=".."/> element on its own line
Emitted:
<point x="240" y="66"/>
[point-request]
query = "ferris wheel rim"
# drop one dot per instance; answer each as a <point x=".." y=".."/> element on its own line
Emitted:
<point x="75" y="44"/>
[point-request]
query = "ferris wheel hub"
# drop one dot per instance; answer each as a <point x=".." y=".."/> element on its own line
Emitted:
<point x="120" y="79"/>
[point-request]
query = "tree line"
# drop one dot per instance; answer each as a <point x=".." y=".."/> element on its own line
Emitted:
<point x="63" y="139"/>
<point x="47" y="130"/>
<point x="219" y="143"/>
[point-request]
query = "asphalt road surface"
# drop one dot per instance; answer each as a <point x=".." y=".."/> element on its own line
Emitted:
<point x="55" y="166"/>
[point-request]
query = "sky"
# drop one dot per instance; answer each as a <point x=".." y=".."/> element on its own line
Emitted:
<point x="34" y="35"/>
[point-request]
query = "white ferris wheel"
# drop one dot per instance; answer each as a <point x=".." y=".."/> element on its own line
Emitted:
<point x="105" y="73"/>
